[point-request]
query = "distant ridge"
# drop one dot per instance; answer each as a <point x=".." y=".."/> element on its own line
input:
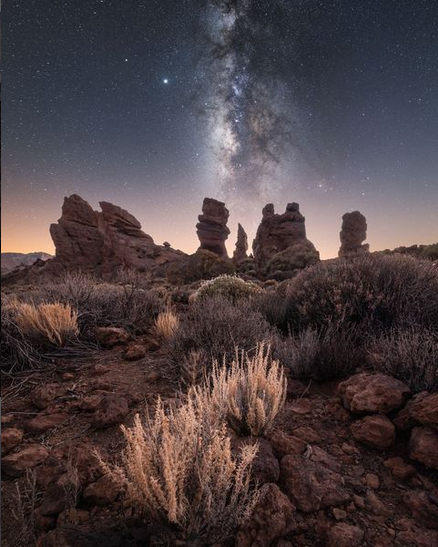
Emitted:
<point x="10" y="261"/>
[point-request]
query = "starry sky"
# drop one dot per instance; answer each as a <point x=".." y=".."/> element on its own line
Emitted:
<point x="155" y="104"/>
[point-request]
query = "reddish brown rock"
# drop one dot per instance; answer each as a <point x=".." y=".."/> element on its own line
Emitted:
<point x="111" y="411"/>
<point x="212" y="227"/>
<point x="43" y="396"/>
<point x="372" y="393"/>
<point x="265" y="466"/>
<point x="417" y="538"/>
<point x="135" y="352"/>
<point x="102" y="492"/>
<point x="284" y="444"/>
<point x="353" y="234"/>
<point x="281" y="246"/>
<point x="376" y="505"/>
<point x="311" y="486"/>
<point x="272" y="519"/>
<point x="424" y="508"/>
<point x="11" y="437"/>
<point x="241" y="250"/>
<point x="344" y="535"/>
<point x="16" y="464"/>
<point x="73" y="516"/>
<point x="422" y="409"/>
<point x="109" y="337"/>
<point x="423" y="446"/>
<point x="44" y="422"/>
<point x="376" y="431"/>
<point x="399" y="468"/>
<point x="59" y="495"/>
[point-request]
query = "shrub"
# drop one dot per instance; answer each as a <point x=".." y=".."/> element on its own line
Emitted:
<point x="215" y="328"/>
<point x="178" y="469"/>
<point x="52" y="323"/>
<point x="330" y="353"/>
<point x="410" y="355"/>
<point x="274" y="307"/>
<point x="250" y="392"/>
<point x="105" y="304"/>
<point x="230" y="287"/>
<point x="166" y="324"/>
<point x="201" y="265"/>
<point x="376" y="292"/>
<point x="17" y="353"/>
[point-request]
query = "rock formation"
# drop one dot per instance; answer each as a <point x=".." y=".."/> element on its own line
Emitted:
<point x="240" y="252"/>
<point x="212" y="227"/>
<point x="353" y="234"/>
<point x="280" y="246"/>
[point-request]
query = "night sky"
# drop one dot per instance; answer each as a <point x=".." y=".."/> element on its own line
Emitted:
<point x="155" y="104"/>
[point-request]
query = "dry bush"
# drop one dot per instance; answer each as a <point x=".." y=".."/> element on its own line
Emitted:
<point x="178" y="469"/>
<point x="215" y="328"/>
<point x="166" y="324"/>
<point x="274" y="307"/>
<point x="53" y="323"/>
<point x="105" y="304"/>
<point x="17" y="353"/>
<point x="231" y="287"/>
<point x="410" y="355"/>
<point x="27" y="498"/>
<point x="250" y="392"/>
<point x="332" y="352"/>
<point x="374" y="291"/>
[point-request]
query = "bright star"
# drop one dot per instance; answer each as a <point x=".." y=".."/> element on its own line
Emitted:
<point x="165" y="81"/>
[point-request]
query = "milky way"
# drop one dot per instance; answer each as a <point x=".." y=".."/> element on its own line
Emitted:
<point x="249" y="106"/>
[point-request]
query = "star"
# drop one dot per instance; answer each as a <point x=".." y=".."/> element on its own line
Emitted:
<point x="165" y="80"/>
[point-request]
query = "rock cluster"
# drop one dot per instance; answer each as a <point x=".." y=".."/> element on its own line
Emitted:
<point x="281" y="246"/>
<point x="212" y="227"/>
<point x="353" y="234"/>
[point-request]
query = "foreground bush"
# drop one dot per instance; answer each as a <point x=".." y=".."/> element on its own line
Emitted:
<point x="55" y="324"/>
<point x="212" y="330"/>
<point x="178" y="469"/>
<point x="231" y="287"/>
<point x="250" y="392"/>
<point x="332" y="352"/>
<point x="374" y="291"/>
<point x="410" y="355"/>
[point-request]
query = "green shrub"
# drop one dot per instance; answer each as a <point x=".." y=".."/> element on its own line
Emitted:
<point x="231" y="287"/>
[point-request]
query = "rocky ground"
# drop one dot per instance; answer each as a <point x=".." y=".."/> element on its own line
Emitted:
<point x="350" y="463"/>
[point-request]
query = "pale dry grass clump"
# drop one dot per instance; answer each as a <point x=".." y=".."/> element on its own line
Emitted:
<point x="54" y="323"/>
<point x="250" y="392"/>
<point x="166" y="324"/>
<point x="231" y="287"/>
<point x="178" y="469"/>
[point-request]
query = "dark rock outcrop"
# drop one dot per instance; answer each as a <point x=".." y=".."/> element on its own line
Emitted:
<point x="353" y="234"/>
<point x="240" y="252"/>
<point x="281" y="246"/>
<point x="212" y="227"/>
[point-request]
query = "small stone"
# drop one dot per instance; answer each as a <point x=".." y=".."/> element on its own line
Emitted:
<point x="372" y="481"/>
<point x="135" y="352"/>
<point x="339" y="514"/>
<point x="399" y="468"/>
<point x="359" y="502"/>
<point x="284" y="444"/>
<point x="44" y="422"/>
<point x="109" y="337"/>
<point x="68" y="376"/>
<point x="11" y="437"/>
<point x="43" y="396"/>
<point x="73" y="516"/>
<point x="423" y="446"/>
<point x="376" y="431"/>
<point x="349" y="449"/>
<point x="424" y="508"/>
<point x="111" y="411"/>
<point x="344" y="535"/>
<point x="102" y="492"/>
<point x="376" y="505"/>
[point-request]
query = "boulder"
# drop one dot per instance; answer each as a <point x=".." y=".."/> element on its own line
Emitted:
<point x="44" y="422"/>
<point x="422" y="409"/>
<point x="212" y="227"/>
<point x="376" y="431"/>
<point x="280" y="246"/>
<point x="240" y="252"/>
<point x="423" y="446"/>
<point x="17" y="463"/>
<point x="102" y="492"/>
<point x="369" y="393"/>
<point x="310" y="485"/>
<point x="110" y="411"/>
<point x="11" y="437"/>
<point x="353" y="234"/>
<point x="284" y="444"/>
<point x="272" y="519"/>
<point x="109" y="337"/>
<point x="344" y="535"/>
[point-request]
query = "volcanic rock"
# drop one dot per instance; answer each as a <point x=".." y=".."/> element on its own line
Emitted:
<point x="372" y="393"/>
<point x="424" y="508"/>
<point x="16" y="464"/>
<point x="376" y="431"/>
<point x="423" y="446"/>
<point x="280" y="246"/>
<point x="102" y="492"/>
<point x="11" y="437"/>
<point x="344" y="535"/>
<point x="111" y="410"/>
<point x="109" y="337"/>
<point x="240" y="252"/>
<point x="271" y="519"/>
<point x="422" y="409"/>
<point x="212" y="227"/>
<point x="353" y="234"/>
